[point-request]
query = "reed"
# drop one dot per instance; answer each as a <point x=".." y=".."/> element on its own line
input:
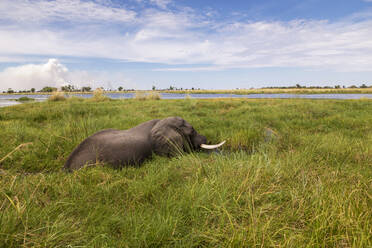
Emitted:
<point x="140" y="95"/>
<point x="57" y="96"/>
<point x="152" y="95"/>
<point x="98" y="96"/>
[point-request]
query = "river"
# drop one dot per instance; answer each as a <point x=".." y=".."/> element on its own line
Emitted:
<point x="9" y="99"/>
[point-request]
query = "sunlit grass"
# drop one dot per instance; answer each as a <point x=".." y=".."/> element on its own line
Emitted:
<point x="293" y="173"/>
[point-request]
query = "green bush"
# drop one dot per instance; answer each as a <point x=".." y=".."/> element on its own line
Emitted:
<point x="25" y="99"/>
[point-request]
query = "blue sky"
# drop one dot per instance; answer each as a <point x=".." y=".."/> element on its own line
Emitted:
<point x="185" y="43"/>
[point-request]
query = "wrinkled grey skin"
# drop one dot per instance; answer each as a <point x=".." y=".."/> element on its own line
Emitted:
<point x="119" y="148"/>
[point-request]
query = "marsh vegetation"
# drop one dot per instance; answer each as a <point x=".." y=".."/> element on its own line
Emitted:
<point x="25" y="99"/>
<point x="306" y="185"/>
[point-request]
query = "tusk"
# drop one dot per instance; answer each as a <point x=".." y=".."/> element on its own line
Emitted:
<point x="210" y="147"/>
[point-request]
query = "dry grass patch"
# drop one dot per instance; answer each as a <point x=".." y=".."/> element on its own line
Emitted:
<point x="153" y="95"/>
<point x="141" y="95"/>
<point x="57" y="96"/>
<point x="98" y="96"/>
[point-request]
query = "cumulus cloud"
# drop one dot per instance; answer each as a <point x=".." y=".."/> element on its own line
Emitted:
<point x="53" y="73"/>
<point x="25" y="77"/>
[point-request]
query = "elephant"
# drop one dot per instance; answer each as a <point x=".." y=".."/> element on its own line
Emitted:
<point x="119" y="148"/>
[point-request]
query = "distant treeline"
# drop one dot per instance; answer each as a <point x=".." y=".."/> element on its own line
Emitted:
<point x="72" y="88"/>
<point x="298" y="86"/>
<point x="67" y="88"/>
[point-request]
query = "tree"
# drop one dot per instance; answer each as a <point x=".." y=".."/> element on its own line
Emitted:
<point x="48" y="89"/>
<point x="86" y="89"/>
<point x="363" y="86"/>
<point x="68" y="88"/>
<point x="10" y="91"/>
<point x="153" y="87"/>
<point x="33" y="90"/>
<point x="120" y="88"/>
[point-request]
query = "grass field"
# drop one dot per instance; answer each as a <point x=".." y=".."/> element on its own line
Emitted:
<point x="307" y="185"/>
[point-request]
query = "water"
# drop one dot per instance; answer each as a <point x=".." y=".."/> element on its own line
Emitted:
<point x="7" y="100"/>
<point x="4" y="103"/>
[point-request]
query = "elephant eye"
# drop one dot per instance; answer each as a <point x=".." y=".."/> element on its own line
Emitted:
<point x="193" y="131"/>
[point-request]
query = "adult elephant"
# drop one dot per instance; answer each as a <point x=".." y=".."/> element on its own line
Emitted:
<point x="118" y="148"/>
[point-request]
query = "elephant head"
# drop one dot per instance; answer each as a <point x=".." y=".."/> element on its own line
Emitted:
<point x="172" y="135"/>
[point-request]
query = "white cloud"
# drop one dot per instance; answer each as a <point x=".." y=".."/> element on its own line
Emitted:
<point x="30" y="76"/>
<point x="55" y="74"/>
<point x="61" y="10"/>
<point x="182" y="37"/>
<point x="313" y="44"/>
<point x="161" y="3"/>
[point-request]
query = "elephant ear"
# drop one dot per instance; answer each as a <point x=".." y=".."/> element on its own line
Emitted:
<point x="167" y="137"/>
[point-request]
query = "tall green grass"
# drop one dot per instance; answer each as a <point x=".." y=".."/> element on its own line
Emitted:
<point x="309" y="185"/>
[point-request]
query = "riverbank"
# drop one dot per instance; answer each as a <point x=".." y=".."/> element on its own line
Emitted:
<point x="293" y="173"/>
